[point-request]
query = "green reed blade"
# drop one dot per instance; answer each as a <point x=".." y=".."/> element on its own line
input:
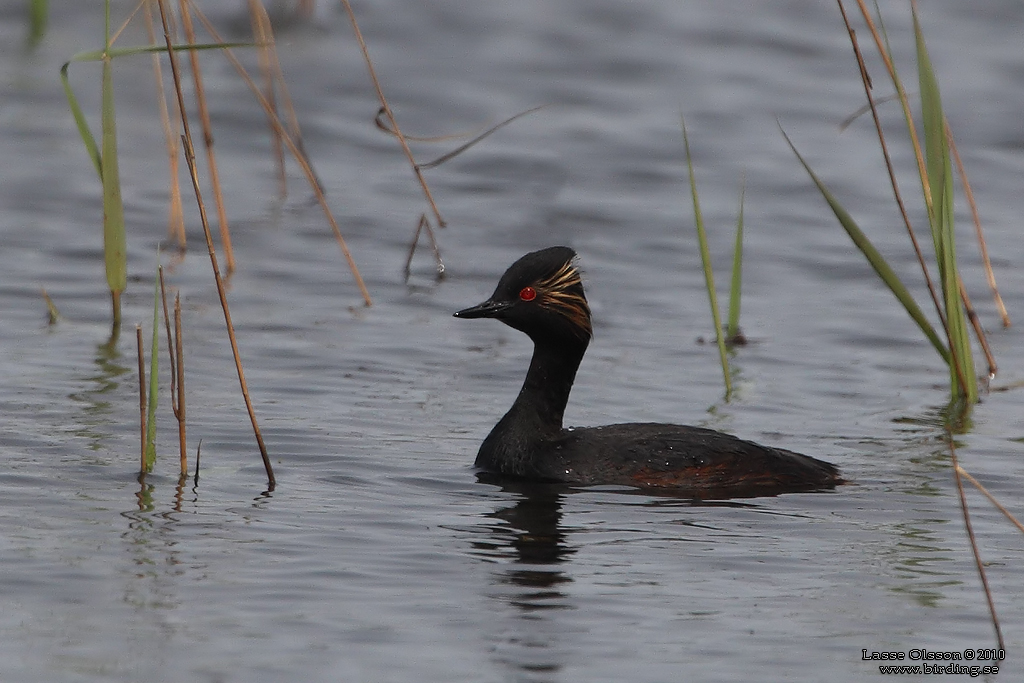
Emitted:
<point x="709" y="278"/>
<point x="115" y="52"/>
<point x="38" y="13"/>
<point x="100" y="55"/>
<point x="940" y="217"/>
<point x="114" y="244"/>
<point x="83" y="126"/>
<point x="732" y="328"/>
<point x="104" y="156"/>
<point x="874" y="257"/>
<point x="936" y="151"/>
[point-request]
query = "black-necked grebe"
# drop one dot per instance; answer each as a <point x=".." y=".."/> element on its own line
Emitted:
<point x="541" y="294"/>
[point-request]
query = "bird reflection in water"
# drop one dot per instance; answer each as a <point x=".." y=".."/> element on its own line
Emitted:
<point x="532" y="531"/>
<point x="534" y="551"/>
<point x="532" y="546"/>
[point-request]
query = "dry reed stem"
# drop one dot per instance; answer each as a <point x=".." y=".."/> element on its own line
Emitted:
<point x="264" y="35"/>
<point x="124" y="24"/>
<point x="462" y="148"/>
<point x="378" y="121"/>
<point x="849" y="120"/>
<point x="866" y="80"/>
<point x="142" y="400"/>
<point x="175" y="214"/>
<point x="904" y="103"/>
<point x="190" y="160"/>
<point x="294" y="149"/>
<point x="969" y="193"/>
<point x="391" y="116"/>
<point x="285" y="100"/>
<point x="992" y="499"/>
<point x="211" y="157"/>
<point x="179" y="410"/>
<point x="170" y="340"/>
<point x="973" y="541"/>
<point x="979" y="332"/>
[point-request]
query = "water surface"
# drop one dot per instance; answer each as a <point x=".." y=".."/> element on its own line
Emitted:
<point x="380" y="556"/>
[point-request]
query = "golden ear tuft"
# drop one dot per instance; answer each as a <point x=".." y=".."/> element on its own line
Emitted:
<point x="562" y="292"/>
<point x="567" y="276"/>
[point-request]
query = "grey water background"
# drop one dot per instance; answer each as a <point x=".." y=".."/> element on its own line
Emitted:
<point x="380" y="556"/>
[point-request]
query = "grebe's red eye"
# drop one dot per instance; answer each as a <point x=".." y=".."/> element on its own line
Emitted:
<point x="527" y="293"/>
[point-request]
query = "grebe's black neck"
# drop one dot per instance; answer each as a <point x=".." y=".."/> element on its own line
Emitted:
<point x="545" y="393"/>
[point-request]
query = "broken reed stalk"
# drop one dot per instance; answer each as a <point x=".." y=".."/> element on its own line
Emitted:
<point x="204" y="119"/>
<point x="424" y="222"/>
<point x="300" y="158"/>
<point x="53" y="315"/>
<point x="199" y="452"/>
<point x="175" y="214"/>
<point x="390" y="114"/>
<point x="174" y="350"/>
<point x="190" y="160"/>
<point x="142" y="402"/>
<point x="423" y="226"/>
<point x="973" y="541"/>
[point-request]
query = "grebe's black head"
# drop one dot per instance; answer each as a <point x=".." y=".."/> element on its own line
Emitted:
<point x="541" y="294"/>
